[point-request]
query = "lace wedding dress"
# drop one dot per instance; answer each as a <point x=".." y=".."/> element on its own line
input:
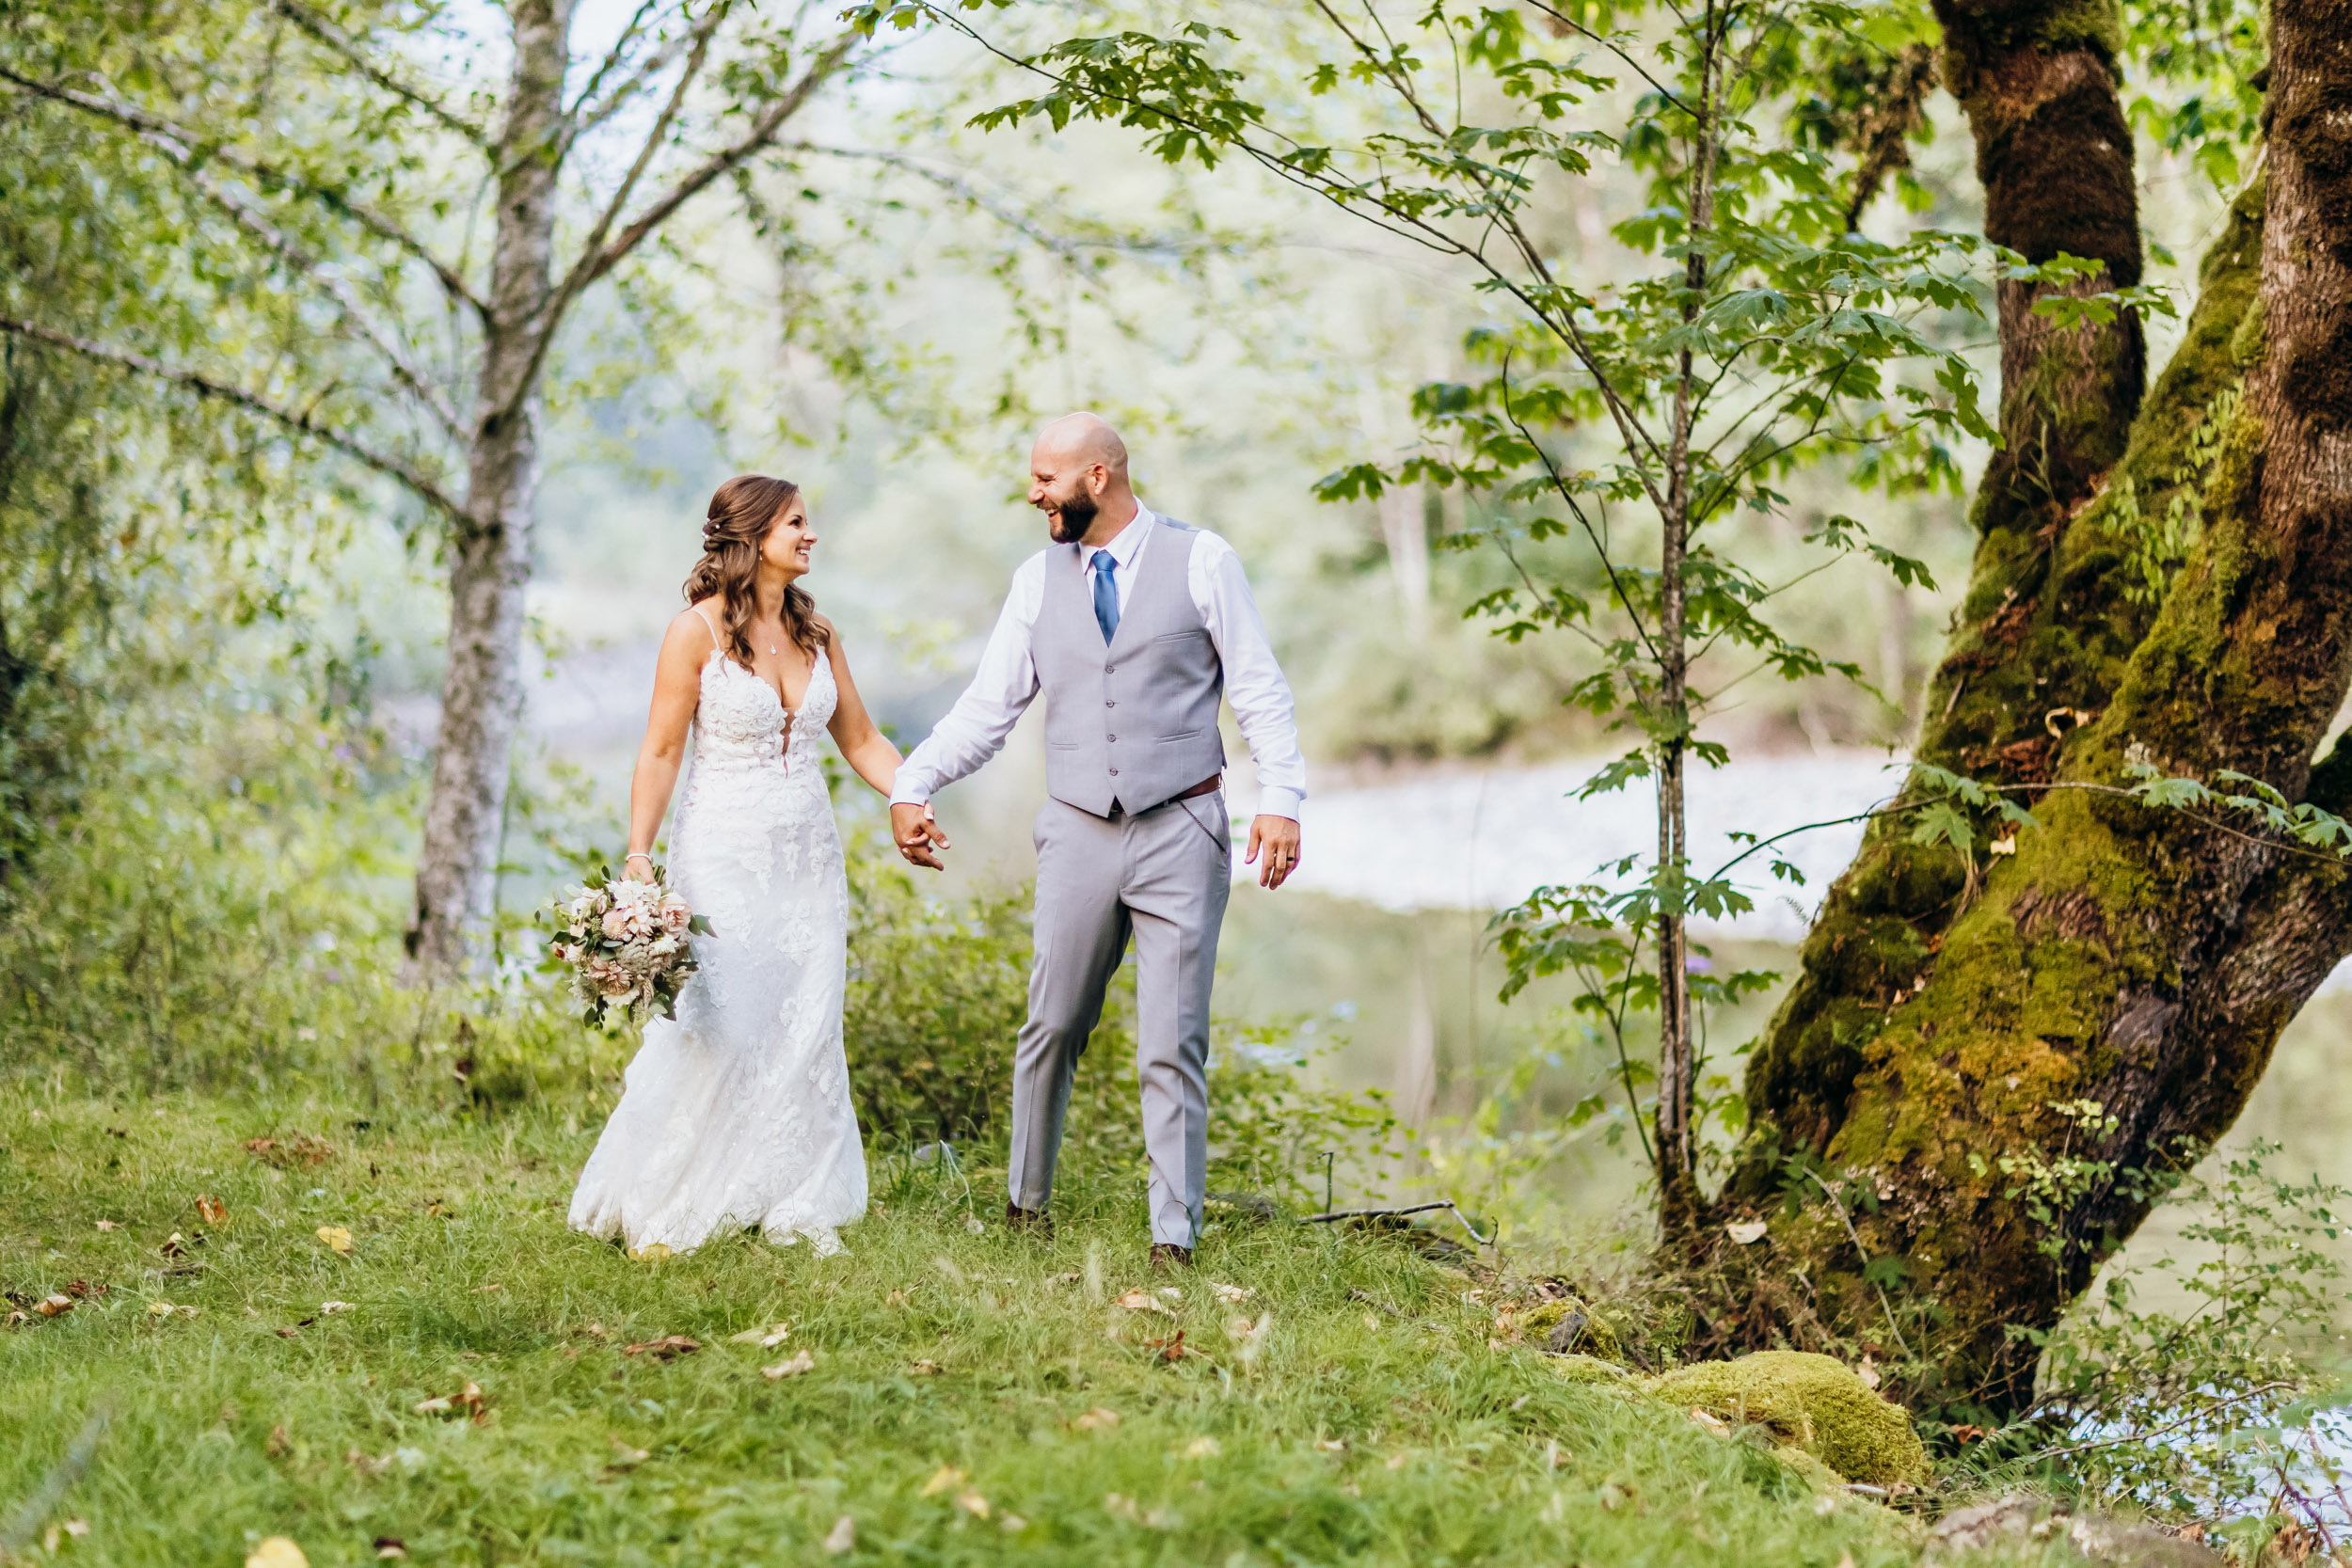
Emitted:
<point x="738" y="1113"/>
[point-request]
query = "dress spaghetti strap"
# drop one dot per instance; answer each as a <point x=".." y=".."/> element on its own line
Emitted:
<point x="715" y="643"/>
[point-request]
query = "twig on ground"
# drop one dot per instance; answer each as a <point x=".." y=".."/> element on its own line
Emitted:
<point x="1409" y="1209"/>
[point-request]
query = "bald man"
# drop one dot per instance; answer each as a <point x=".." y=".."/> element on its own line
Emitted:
<point x="1133" y="626"/>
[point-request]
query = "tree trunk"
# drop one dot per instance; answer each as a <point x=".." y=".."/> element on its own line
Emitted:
<point x="490" y="549"/>
<point x="1948" y="1035"/>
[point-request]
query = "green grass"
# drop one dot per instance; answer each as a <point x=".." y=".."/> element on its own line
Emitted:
<point x="1353" y="1435"/>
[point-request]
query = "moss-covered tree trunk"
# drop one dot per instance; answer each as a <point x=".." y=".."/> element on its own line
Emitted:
<point x="1953" y="1016"/>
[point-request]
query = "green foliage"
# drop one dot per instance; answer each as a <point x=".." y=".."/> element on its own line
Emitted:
<point x="936" y="993"/>
<point x="2184" y="1383"/>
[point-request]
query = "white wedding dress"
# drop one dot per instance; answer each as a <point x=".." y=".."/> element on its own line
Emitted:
<point x="738" y="1113"/>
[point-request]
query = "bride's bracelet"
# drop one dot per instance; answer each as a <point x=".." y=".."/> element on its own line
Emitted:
<point x="637" y="855"/>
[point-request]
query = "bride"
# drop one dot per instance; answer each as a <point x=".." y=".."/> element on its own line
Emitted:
<point x="738" y="1113"/>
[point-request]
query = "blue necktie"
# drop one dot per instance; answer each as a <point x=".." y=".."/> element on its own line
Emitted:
<point x="1106" y="595"/>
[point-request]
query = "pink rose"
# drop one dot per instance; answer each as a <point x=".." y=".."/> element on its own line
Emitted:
<point x="616" y="923"/>
<point x="675" y="915"/>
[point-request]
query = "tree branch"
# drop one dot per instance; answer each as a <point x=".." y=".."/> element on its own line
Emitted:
<point x="419" y="485"/>
<point x="763" y="132"/>
<point x="339" y="43"/>
<point x="598" y="257"/>
<point x="586" y="116"/>
<point x="207" y="150"/>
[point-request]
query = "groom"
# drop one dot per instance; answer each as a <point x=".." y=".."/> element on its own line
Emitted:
<point x="1132" y="626"/>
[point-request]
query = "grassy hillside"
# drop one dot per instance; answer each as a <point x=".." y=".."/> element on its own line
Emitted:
<point x="970" y="1397"/>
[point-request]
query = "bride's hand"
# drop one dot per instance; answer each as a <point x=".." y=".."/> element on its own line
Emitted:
<point x="639" y="868"/>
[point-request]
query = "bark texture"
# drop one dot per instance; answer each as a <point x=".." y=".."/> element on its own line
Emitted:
<point x="2140" y="960"/>
<point x="490" y="548"/>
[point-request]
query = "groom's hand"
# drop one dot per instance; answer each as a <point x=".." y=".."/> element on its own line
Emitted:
<point x="918" y="836"/>
<point x="1277" y="836"/>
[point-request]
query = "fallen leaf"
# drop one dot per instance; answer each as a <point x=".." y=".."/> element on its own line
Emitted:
<point x="390" y="1546"/>
<point x="1170" y="1349"/>
<point x="1072" y="1277"/>
<point x="1333" y="1444"/>
<point x="946" y="1480"/>
<point x="1013" y="1524"/>
<point x="159" y="1310"/>
<point x="1202" y="1448"/>
<point x="664" y="1348"/>
<point x="211" y="1210"/>
<point x="652" y="1252"/>
<point x="15" y="1318"/>
<point x="278" y="1445"/>
<point x="105" y="1225"/>
<point x="468" y="1401"/>
<point x="1144" y="1301"/>
<point x="1970" y="1433"/>
<point x="1169" y="1293"/>
<point x="174" y="1245"/>
<point x="624" y="1457"/>
<point x="1868" y="1373"/>
<point x="1097" y="1420"/>
<point x="338" y="1240"/>
<point x="51" y="1307"/>
<point x="485" y="1289"/>
<point x="844" y="1536"/>
<point x="971" y="1223"/>
<point x="973" y="1503"/>
<point x="1237" y="1326"/>
<point x="1709" y="1422"/>
<point x="276" y="1551"/>
<point x="1398" y="1460"/>
<point x="926" y="1368"/>
<point x="1233" y="1295"/>
<point x="765" y="1339"/>
<point x="1746" y="1232"/>
<point x="2006" y="846"/>
<point x="327" y="1308"/>
<point x="896" y="1298"/>
<point x="804" y="1362"/>
<point x="289" y="1334"/>
<point x="77" y="1528"/>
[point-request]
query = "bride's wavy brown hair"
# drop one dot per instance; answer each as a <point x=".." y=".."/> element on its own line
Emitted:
<point x="742" y="512"/>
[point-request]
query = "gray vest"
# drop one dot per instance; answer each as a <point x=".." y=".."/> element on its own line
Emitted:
<point x="1133" y="724"/>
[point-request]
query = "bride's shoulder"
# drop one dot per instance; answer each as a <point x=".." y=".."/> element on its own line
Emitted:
<point x="695" y="629"/>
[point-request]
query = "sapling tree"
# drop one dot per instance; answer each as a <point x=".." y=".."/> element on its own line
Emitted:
<point x="1618" y="434"/>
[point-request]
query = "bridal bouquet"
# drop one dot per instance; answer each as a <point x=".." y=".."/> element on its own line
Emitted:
<point x="627" y="944"/>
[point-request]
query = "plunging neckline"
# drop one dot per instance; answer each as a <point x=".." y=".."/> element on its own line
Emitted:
<point x="791" y="714"/>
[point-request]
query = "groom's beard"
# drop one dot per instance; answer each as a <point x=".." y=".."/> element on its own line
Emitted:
<point x="1067" y="523"/>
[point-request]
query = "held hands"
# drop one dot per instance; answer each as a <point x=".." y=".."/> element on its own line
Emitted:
<point x="638" y="868"/>
<point x="1279" y="837"/>
<point x="918" y="836"/>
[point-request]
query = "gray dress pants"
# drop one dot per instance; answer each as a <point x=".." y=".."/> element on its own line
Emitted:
<point x="1162" y="876"/>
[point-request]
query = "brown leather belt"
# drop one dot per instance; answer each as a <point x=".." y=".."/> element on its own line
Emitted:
<point x="1206" y="786"/>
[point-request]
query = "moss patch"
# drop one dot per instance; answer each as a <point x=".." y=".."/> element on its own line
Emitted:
<point x="1810" y="1402"/>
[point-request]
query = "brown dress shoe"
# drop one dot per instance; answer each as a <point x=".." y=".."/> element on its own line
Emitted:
<point x="1034" y="1222"/>
<point x="1168" y="1255"/>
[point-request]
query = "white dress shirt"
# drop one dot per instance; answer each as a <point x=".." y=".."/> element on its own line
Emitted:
<point x="1006" y="683"/>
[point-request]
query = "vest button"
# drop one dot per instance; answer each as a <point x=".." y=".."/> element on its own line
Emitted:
<point x="1110" y="702"/>
<point x="1114" y="740"/>
<point x="1114" y="772"/>
<point x="1110" y="669"/>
